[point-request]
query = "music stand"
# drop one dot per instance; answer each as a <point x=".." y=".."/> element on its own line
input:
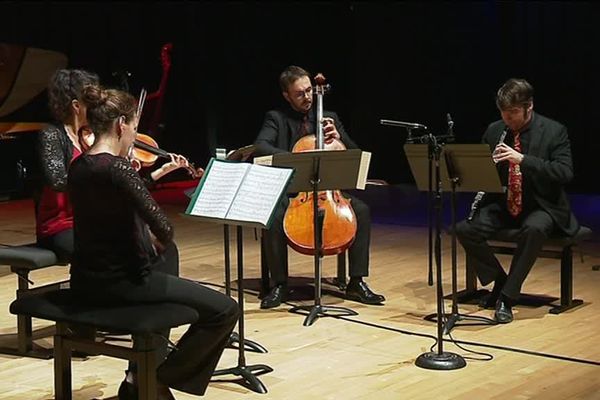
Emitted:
<point x="247" y="372"/>
<point x="241" y="154"/>
<point x="317" y="171"/>
<point x="249" y="345"/>
<point x="228" y="194"/>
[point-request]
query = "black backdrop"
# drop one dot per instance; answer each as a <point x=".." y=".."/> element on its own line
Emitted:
<point x="412" y="61"/>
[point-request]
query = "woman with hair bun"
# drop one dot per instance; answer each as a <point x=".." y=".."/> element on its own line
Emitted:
<point x="114" y="260"/>
<point x="58" y="144"/>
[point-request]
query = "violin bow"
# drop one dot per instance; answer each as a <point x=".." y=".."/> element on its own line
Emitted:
<point x="141" y="101"/>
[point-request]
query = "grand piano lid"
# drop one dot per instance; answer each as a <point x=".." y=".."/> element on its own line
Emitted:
<point x="24" y="73"/>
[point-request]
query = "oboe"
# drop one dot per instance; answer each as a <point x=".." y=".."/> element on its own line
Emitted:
<point x="479" y="195"/>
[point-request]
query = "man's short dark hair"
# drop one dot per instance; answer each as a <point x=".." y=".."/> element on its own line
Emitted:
<point x="290" y="75"/>
<point x="514" y="93"/>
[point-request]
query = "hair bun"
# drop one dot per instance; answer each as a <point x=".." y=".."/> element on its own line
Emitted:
<point x="94" y="96"/>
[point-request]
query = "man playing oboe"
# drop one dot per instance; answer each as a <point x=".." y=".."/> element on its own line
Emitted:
<point x="533" y="157"/>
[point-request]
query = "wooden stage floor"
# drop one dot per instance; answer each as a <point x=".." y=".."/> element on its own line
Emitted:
<point x="370" y="356"/>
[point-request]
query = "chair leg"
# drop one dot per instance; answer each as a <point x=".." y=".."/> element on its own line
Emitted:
<point x="341" y="271"/>
<point x="566" y="283"/>
<point x="24" y="329"/>
<point x="25" y="346"/>
<point x="62" y="364"/>
<point x="147" y="365"/>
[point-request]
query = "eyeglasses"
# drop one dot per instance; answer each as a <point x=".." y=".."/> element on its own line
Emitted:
<point x="303" y="93"/>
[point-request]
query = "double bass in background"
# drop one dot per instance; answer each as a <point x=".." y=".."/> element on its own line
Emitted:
<point x="339" y="223"/>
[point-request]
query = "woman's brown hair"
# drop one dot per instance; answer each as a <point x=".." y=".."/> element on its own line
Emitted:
<point x="104" y="106"/>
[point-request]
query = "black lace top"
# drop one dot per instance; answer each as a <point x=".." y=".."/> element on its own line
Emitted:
<point x="112" y="210"/>
<point x="55" y="151"/>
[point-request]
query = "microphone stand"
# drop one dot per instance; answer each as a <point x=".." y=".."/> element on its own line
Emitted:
<point x="438" y="360"/>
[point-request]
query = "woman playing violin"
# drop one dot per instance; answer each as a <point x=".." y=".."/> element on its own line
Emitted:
<point x="280" y="131"/>
<point x="58" y="144"/>
<point x="114" y="260"/>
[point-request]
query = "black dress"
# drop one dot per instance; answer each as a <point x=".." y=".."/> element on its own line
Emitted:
<point x="114" y="262"/>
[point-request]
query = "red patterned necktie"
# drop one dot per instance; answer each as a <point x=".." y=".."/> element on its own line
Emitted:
<point x="515" y="179"/>
<point x="304" y="127"/>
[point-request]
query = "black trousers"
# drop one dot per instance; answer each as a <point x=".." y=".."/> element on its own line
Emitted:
<point x="358" y="253"/>
<point x="60" y="243"/>
<point x="188" y="368"/>
<point x="535" y="226"/>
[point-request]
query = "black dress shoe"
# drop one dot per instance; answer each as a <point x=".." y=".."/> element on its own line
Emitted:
<point x="491" y="299"/>
<point x="503" y="312"/>
<point x="275" y="297"/>
<point x="128" y="391"/>
<point x="358" y="290"/>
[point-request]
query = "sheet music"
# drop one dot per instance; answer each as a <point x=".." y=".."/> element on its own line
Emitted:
<point x="259" y="194"/>
<point x="365" y="161"/>
<point x="219" y="189"/>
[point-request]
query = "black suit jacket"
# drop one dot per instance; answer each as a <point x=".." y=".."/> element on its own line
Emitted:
<point x="548" y="166"/>
<point x="281" y="129"/>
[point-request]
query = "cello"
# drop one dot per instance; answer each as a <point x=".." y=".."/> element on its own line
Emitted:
<point x="339" y="222"/>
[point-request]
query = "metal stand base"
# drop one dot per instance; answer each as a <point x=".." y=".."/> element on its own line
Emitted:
<point x="316" y="311"/>
<point x="248" y="374"/>
<point x="249" y="345"/>
<point x="443" y="361"/>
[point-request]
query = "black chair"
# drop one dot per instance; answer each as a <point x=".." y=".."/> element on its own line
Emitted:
<point x="22" y="260"/>
<point x="139" y="321"/>
<point x="560" y="248"/>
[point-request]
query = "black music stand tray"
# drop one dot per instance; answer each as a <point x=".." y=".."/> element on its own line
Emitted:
<point x="464" y="168"/>
<point x="317" y="171"/>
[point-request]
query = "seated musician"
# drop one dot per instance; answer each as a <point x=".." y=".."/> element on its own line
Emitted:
<point x="280" y="131"/>
<point x="116" y="263"/>
<point x="534" y="162"/>
<point x="58" y="144"/>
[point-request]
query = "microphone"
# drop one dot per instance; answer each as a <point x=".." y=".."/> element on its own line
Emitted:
<point x="450" y="125"/>
<point x="402" y="124"/>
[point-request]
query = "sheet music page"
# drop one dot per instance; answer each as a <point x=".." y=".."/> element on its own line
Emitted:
<point x="259" y="194"/>
<point x="220" y="187"/>
<point x="365" y="161"/>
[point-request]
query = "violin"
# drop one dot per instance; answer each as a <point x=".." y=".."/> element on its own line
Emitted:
<point x="339" y="223"/>
<point x="145" y="151"/>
